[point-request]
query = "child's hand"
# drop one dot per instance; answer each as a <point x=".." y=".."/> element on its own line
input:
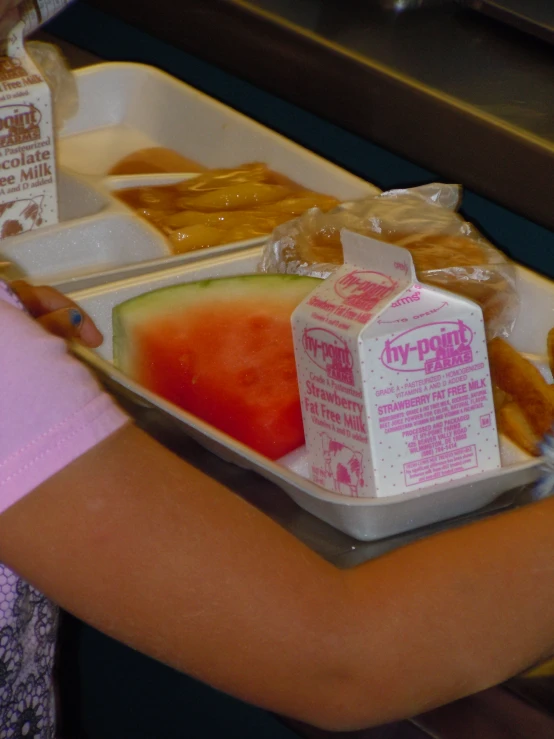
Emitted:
<point x="57" y="313"/>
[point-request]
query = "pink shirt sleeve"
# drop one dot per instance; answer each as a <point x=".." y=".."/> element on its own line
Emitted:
<point x="52" y="410"/>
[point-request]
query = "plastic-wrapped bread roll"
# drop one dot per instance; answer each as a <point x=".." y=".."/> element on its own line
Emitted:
<point x="447" y="250"/>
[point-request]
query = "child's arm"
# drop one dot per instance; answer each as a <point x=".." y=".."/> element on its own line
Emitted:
<point x="147" y="549"/>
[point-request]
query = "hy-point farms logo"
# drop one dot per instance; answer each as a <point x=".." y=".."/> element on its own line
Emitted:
<point x="330" y="353"/>
<point x="18" y="124"/>
<point x="432" y="348"/>
<point x="363" y="289"/>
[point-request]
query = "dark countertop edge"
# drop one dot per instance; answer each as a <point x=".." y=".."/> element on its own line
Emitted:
<point x="436" y="131"/>
<point x="517" y="20"/>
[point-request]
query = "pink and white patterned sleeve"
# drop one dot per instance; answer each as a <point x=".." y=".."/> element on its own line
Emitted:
<point x="52" y="410"/>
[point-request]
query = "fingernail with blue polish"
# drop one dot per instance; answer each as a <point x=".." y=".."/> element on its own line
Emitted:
<point x="75" y="317"/>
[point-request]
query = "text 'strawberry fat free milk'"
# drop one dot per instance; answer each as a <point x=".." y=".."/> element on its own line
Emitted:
<point x="28" y="187"/>
<point x="394" y="378"/>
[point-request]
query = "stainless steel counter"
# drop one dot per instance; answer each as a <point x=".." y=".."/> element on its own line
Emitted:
<point x="451" y="90"/>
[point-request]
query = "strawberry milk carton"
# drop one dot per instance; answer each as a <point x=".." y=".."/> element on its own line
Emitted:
<point x="394" y="378"/>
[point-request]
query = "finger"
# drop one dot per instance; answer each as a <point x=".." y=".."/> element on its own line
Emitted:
<point x="89" y="334"/>
<point x="41" y="300"/>
<point x="70" y="323"/>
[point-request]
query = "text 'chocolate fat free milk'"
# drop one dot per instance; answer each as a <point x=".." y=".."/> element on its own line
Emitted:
<point x="28" y="187"/>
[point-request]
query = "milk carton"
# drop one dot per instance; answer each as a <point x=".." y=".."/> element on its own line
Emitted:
<point x="28" y="191"/>
<point x="394" y="378"/>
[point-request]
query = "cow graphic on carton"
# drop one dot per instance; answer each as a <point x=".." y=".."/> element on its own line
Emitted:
<point x="19" y="216"/>
<point x="343" y="465"/>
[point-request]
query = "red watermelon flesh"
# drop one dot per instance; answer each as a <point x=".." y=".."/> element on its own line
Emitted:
<point x="221" y="350"/>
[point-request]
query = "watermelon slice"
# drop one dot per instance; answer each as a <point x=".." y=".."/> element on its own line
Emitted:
<point x="222" y="350"/>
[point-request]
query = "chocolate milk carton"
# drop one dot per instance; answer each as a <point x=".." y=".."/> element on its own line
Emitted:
<point x="394" y="378"/>
<point x="28" y="189"/>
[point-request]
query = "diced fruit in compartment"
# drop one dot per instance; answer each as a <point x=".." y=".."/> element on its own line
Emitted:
<point x="245" y="202"/>
<point x="222" y="350"/>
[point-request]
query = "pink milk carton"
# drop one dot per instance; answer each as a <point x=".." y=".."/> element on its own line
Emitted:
<point x="394" y="378"/>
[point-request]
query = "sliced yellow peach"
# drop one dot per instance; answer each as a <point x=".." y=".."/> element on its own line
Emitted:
<point x="195" y="237"/>
<point x="295" y="206"/>
<point x="217" y="178"/>
<point x="244" y="195"/>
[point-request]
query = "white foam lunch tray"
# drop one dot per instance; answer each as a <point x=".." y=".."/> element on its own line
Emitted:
<point x="124" y="107"/>
<point x="365" y="519"/>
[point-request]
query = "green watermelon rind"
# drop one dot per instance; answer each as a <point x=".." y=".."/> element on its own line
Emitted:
<point x="146" y="306"/>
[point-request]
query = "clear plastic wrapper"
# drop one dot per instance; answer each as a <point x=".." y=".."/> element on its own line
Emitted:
<point x="55" y="70"/>
<point x="22" y="19"/>
<point x="447" y="251"/>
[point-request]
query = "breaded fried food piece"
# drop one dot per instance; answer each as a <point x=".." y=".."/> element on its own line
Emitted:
<point x="500" y="398"/>
<point x="513" y="424"/>
<point x="441" y="251"/>
<point x="516" y="376"/>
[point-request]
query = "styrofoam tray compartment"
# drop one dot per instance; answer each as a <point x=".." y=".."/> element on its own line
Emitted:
<point x="81" y="248"/>
<point x="124" y="107"/>
<point x="363" y="518"/>
<point x="78" y="198"/>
